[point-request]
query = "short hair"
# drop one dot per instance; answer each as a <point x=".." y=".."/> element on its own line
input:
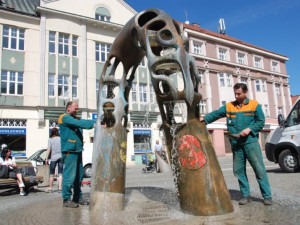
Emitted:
<point x="240" y="85"/>
<point x="54" y="132"/>
<point x="69" y="104"/>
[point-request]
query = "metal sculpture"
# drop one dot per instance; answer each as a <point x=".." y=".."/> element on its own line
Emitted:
<point x="201" y="186"/>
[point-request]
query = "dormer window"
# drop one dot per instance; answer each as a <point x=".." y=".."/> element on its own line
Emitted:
<point x="102" y="14"/>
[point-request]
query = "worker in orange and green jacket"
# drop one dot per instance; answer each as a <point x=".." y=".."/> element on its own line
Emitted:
<point x="70" y="128"/>
<point x="245" y="119"/>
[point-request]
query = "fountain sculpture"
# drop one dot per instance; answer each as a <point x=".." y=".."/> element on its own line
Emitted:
<point x="199" y="179"/>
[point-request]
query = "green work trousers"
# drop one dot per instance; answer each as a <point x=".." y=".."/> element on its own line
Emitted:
<point x="253" y="154"/>
<point x="72" y="175"/>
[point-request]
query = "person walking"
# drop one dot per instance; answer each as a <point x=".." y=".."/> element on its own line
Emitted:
<point x="158" y="148"/>
<point x="245" y="119"/>
<point x="71" y="137"/>
<point x="54" y="149"/>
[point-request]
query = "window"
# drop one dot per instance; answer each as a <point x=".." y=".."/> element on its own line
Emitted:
<point x="51" y="84"/>
<point x="151" y="93"/>
<point x="266" y="110"/>
<point x="275" y="66"/>
<point x="264" y="85"/>
<point x="222" y="79"/>
<point x="63" y="44"/>
<point x="293" y="118"/>
<point x="74" y="87"/>
<point x="202" y="106"/>
<point x="225" y="80"/>
<point x="11" y="83"/>
<point x="277" y="89"/>
<point x="133" y="92"/>
<point x="51" y="42"/>
<point x="243" y="80"/>
<point x="102" y="18"/>
<point x="74" y="45"/>
<point x="241" y="58"/>
<point x="201" y="76"/>
<point x="102" y="51"/>
<point x="102" y="14"/>
<point x="228" y="80"/>
<point x="63" y="86"/>
<point x="257" y="85"/>
<point x="97" y="88"/>
<point x="261" y="85"/>
<point x="143" y="92"/>
<point x="13" y="38"/>
<point x="258" y="62"/>
<point x="104" y="89"/>
<point x="223" y="53"/>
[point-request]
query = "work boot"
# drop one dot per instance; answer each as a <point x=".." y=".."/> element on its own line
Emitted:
<point x="70" y="204"/>
<point x="268" y="201"/>
<point x="244" y="200"/>
<point x="82" y="202"/>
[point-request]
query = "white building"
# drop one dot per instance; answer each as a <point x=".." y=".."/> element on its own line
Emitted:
<point x="53" y="52"/>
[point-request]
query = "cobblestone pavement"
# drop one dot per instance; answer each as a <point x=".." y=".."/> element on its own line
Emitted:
<point x="151" y="199"/>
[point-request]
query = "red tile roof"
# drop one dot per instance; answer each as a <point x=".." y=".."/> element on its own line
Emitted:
<point x="224" y="36"/>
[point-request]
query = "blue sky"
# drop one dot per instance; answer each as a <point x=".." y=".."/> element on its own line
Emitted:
<point x="270" y="24"/>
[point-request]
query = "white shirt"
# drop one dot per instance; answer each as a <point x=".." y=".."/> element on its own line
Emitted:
<point x="10" y="161"/>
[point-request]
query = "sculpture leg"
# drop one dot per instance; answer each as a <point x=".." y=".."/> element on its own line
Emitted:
<point x="201" y="186"/>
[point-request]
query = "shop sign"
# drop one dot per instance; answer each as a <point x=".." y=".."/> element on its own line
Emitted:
<point x="13" y="131"/>
<point x="142" y="132"/>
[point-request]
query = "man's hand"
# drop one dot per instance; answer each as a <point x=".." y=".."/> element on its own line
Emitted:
<point x="245" y="132"/>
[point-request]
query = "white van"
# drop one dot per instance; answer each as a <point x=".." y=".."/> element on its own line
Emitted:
<point x="283" y="143"/>
<point x="87" y="155"/>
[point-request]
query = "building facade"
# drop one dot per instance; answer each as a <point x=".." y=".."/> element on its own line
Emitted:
<point x="53" y="51"/>
<point x="223" y="61"/>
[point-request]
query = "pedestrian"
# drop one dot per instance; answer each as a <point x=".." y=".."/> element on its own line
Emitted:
<point x="13" y="171"/>
<point x="158" y="148"/>
<point x="70" y="128"/>
<point x="54" y="149"/>
<point x="245" y="119"/>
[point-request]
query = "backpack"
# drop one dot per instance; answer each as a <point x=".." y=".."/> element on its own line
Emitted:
<point x="4" y="171"/>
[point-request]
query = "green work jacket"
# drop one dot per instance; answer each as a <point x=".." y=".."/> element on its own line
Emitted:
<point x="248" y="115"/>
<point x="70" y="130"/>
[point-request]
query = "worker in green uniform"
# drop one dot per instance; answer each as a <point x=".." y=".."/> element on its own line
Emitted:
<point x="70" y="128"/>
<point x="245" y="119"/>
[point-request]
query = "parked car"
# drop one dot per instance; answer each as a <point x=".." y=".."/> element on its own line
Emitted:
<point x="87" y="159"/>
<point x="38" y="158"/>
<point x="283" y="143"/>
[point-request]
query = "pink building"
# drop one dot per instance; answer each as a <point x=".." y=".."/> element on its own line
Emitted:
<point x="223" y="61"/>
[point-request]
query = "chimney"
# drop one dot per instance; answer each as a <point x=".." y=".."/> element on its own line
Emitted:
<point x="196" y="24"/>
<point x="187" y="22"/>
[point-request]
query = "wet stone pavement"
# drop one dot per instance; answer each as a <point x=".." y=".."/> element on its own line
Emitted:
<point x="151" y="199"/>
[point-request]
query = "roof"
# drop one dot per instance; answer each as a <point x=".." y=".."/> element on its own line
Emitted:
<point x="20" y="6"/>
<point x="226" y="37"/>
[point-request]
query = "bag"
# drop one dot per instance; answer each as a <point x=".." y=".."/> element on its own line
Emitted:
<point x="28" y="171"/>
<point x="4" y="171"/>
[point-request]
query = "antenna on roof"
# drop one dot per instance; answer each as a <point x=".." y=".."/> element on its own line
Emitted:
<point x="222" y="28"/>
<point x="186" y="17"/>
